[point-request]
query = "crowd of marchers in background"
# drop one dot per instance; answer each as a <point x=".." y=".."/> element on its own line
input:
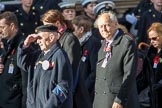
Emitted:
<point x="52" y="56"/>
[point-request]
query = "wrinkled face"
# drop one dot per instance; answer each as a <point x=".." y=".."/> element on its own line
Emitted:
<point x="89" y="8"/>
<point x="155" y="39"/>
<point x="45" y="40"/>
<point x="5" y="30"/>
<point x="106" y="26"/>
<point x="27" y="3"/>
<point x="69" y="14"/>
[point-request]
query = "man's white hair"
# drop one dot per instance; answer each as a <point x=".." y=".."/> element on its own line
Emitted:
<point x="112" y="17"/>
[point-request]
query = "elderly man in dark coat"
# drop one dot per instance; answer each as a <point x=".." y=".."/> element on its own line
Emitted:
<point x="115" y="74"/>
<point x="50" y="72"/>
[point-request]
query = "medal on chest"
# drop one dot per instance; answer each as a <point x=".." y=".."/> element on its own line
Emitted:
<point x="46" y="65"/>
<point x="85" y="53"/>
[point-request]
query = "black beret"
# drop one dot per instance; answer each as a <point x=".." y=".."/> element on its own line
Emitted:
<point x="46" y="28"/>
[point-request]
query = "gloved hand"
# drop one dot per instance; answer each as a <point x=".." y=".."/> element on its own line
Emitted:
<point x="2" y="7"/>
<point x="131" y="18"/>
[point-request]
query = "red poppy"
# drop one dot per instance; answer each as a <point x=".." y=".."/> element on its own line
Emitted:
<point x="107" y="49"/>
<point x="156" y="59"/>
<point x="85" y="52"/>
<point x="13" y="52"/>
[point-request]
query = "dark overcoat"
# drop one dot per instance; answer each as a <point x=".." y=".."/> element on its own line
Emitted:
<point x="145" y="21"/>
<point x="84" y="93"/>
<point x="27" y="21"/>
<point x="151" y="76"/>
<point x="44" y="5"/>
<point x="10" y="80"/>
<point x="51" y="87"/>
<point x="116" y="81"/>
<point x="72" y="47"/>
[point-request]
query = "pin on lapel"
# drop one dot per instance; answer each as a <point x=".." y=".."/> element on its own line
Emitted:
<point x="47" y="65"/>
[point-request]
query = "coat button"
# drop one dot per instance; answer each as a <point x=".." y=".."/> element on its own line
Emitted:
<point x="21" y="24"/>
<point x="95" y="92"/>
<point x="104" y="93"/>
<point x="41" y="7"/>
<point x="126" y="99"/>
<point x="104" y="78"/>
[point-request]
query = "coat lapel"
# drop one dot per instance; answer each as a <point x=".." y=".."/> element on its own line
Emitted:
<point x="101" y="52"/>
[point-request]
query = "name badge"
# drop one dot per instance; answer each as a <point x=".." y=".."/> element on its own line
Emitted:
<point x="155" y="65"/>
<point x="104" y="63"/>
<point x="83" y="58"/>
<point x="11" y="69"/>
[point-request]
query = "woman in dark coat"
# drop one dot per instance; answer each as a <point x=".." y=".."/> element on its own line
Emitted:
<point x="155" y="56"/>
<point x="154" y="72"/>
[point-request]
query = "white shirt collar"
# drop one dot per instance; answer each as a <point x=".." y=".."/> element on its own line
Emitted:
<point x="111" y="40"/>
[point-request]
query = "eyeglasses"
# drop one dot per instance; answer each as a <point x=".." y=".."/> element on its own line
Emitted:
<point x="153" y="38"/>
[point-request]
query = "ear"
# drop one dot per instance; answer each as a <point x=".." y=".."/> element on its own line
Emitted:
<point x="58" y="35"/>
<point x="57" y="23"/>
<point x="81" y="29"/>
<point x="12" y="25"/>
<point x="53" y="37"/>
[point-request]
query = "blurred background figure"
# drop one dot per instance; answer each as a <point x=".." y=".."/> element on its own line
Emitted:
<point x="87" y="68"/>
<point x="150" y="16"/>
<point x="103" y="7"/>
<point x="142" y="7"/>
<point x="88" y="6"/>
<point x="44" y="5"/>
<point x="68" y="9"/>
<point x="28" y="17"/>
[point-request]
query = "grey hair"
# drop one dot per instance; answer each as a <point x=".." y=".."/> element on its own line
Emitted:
<point x="112" y="17"/>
